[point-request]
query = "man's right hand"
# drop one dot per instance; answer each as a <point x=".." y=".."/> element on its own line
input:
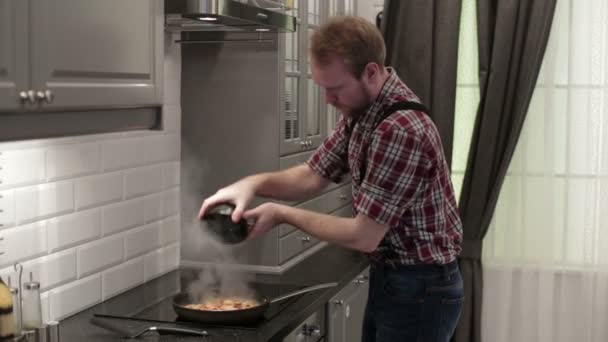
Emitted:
<point x="240" y="194"/>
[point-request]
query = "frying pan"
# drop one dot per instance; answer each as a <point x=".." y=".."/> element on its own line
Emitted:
<point x="233" y="317"/>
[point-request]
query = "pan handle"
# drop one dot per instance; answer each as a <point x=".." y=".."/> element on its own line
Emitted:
<point x="304" y="290"/>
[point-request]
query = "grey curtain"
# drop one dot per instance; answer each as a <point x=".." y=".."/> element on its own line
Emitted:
<point x="512" y="38"/>
<point x="422" y="45"/>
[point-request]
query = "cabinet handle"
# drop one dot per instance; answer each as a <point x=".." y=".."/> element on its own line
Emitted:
<point x="303" y="144"/>
<point x="305" y="239"/>
<point x="359" y="281"/>
<point x="40" y="96"/>
<point x="309" y="142"/>
<point x="338" y="302"/>
<point x="343" y="197"/>
<point x="48" y="96"/>
<point x="23" y="97"/>
<point x="311" y="330"/>
<point x="31" y="96"/>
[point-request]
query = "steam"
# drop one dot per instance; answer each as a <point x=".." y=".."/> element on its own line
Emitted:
<point x="200" y="243"/>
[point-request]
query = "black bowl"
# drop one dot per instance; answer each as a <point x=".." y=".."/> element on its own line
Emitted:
<point x="219" y="221"/>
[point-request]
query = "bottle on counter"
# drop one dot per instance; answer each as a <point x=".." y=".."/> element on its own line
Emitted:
<point x="16" y="307"/>
<point x="7" y="319"/>
<point x="31" y="309"/>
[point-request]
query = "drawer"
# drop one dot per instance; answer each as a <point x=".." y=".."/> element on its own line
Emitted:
<point x="316" y="204"/>
<point x="293" y="244"/>
<point x="339" y="197"/>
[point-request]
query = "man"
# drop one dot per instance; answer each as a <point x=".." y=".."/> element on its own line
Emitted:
<point x="406" y="217"/>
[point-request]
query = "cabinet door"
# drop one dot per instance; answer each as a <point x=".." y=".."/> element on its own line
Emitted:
<point x="97" y="53"/>
<point x="293" y="52"/>
<point x="13" y="53"/>
<point x="315" y="128"/>
<point x="346" y="309"/>
<point x="354" y="309"/>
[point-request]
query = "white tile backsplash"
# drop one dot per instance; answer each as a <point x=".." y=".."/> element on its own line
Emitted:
<point x="94" y="215"/>
<point x="152" y="208"/>
<point x="73" y="297"/>
<point x="72" y="160"/>
<point x="122" y="216"/>
<point x="73" y="229"/>
<point x="122" y="153"/>
<point x="44" y="200"/>
<point x="143" y="181"/>
<point x="98" y="255"/>
<point x="7" y="209"/>
<point x="141" y="240"/>
<point x="170" y="202"/>
<point x="22" y="167"/>
<point x="170" y="229"/>
<point x="23" y="243"/>
<point x="52" y="270"/>
<point x="98" y="190"/>
<point x="171" y="175"/>
<point x="122" y="277"/>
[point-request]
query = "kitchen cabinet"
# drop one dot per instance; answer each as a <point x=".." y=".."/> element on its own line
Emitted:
<point x="70" y="54"/>
<point x="303" y="114"/>
<point x="311" y="330"/>
<point x="346" y="309"/>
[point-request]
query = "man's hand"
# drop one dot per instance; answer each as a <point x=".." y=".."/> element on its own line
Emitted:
<point x="265" y="217"/>
<point x="240" y="194"/>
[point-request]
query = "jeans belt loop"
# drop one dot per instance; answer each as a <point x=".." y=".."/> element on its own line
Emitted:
<point x="446" y="271"/>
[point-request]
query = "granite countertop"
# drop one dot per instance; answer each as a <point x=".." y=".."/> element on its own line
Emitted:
<point x="330" y="264"/>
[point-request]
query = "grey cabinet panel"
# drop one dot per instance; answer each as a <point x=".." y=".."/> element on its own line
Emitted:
<point x="346" y="309"/>
<point x="293" y="244"/>
<point x="97" y="54"/>
<point x="339" y="197"/>
<point x="13" y="53"/>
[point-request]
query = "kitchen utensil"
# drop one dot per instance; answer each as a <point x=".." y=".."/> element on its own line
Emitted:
<point x="218" y="220"/>
<point x="234" y="317"/>
<point x="102" y="323"/>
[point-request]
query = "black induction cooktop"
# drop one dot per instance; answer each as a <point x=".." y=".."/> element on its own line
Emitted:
<point x="158" y="308"/>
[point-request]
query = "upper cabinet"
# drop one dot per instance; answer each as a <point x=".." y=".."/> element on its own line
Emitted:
<point x="303" y="121"/>
<point x="68" y="54"/>
<point x="13" y="52"/>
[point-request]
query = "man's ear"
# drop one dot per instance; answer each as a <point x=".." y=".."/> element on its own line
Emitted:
<point x="371" y="72"/>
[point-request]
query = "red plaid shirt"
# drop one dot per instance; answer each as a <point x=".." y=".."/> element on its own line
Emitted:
<point x="407" y="184"/>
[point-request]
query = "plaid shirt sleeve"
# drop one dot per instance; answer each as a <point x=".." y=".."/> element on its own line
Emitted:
<point x="330" y="159"/>
<point x="396" y="166"/>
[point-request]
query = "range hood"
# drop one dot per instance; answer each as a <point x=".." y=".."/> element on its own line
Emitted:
<point x="228" y="16"/>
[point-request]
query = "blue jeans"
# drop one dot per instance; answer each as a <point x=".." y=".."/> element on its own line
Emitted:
<point x="419" y="303"/>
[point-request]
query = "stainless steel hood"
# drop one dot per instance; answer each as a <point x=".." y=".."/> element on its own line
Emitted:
<point x="228" y="16"/>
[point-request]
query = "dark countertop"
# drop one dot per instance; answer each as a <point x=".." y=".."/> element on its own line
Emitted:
<point x="330" y="264"/>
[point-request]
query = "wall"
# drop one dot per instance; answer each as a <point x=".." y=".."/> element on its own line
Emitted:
<point x="95" y="215"/>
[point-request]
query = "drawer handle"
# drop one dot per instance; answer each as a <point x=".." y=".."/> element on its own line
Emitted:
<point x="343" y="197"/>
<point x="305" y="239"/>
<point x="359" y="281"/>
<point x="339" y="302"/>
<point x="311" y="330"/>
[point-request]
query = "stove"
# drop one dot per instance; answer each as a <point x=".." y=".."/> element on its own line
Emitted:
<point x="153" y="303"/>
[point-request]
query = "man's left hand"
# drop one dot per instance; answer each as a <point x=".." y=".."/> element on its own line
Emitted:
<point x="265" y="217"/>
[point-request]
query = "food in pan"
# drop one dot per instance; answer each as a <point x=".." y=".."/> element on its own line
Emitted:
<point x="219" y="304"/>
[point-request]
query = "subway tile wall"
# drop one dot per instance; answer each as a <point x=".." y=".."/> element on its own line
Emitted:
<point x="93" y="216"/>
